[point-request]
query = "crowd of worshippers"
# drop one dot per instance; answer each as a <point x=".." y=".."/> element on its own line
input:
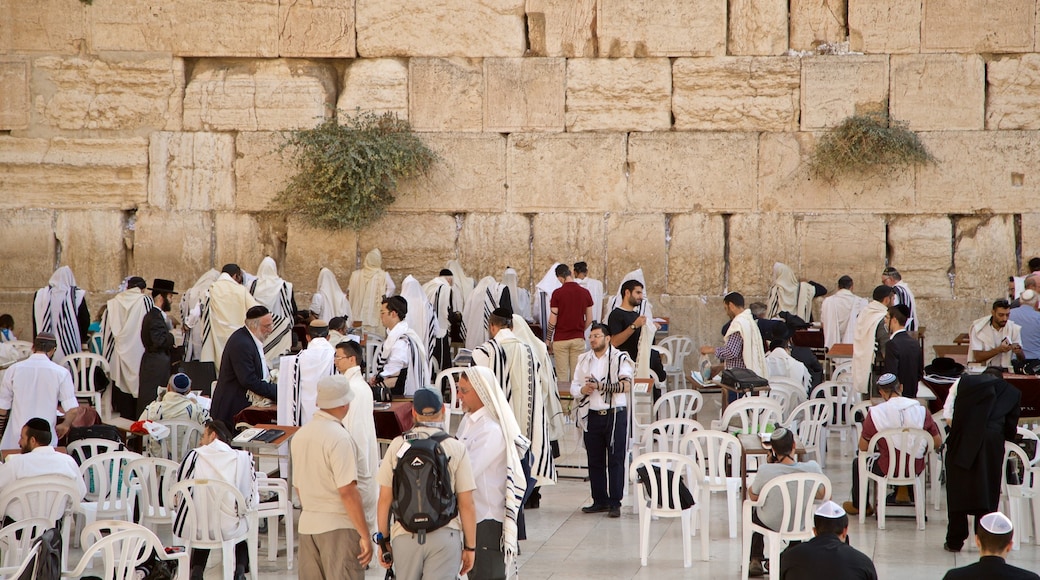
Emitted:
<point x="514" y="349"/>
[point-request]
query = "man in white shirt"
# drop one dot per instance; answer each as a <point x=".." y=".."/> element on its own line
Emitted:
<point x="401" y="362"/>
<point x="35" y="387"/>
<point x="995" y="338"/>
<point x="360" y="422"/>
<point x="299" y="375"/>
<point x="601" y="378"/>
<point x="495" y="445"/>
<point x="838" y="314"/>
<point x="595" y="288"/>
<point x="38" y="458"/>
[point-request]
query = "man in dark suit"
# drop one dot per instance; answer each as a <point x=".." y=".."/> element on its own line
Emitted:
<point x="158" y="343"/>
<point x="993" y="535"/>
<point x="903" y="352"/>
<point x="243" y="368"/>
<point x="828" y="551"/>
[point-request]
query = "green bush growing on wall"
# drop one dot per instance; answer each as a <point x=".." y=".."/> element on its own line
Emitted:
<point x="867" y="143"/>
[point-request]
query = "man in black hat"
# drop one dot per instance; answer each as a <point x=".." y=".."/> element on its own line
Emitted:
<point x="158" y="345"/>
<point x="903" y="352"/>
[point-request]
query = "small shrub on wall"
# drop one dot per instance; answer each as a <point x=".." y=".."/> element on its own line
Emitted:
<point x="347" y="170"/>
<point x="868" y="143"/>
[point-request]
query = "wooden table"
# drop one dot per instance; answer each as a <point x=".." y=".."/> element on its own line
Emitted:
<point x="271" y="448"/>
<point x="751" y="443"/>
<point x="389" y="422"/>
<point x="725" y="390"/>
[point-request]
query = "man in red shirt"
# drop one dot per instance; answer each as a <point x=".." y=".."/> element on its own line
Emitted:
<point x="570" y="313"/>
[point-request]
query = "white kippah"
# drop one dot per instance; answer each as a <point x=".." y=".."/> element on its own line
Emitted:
<point x="830" y="510"/>
<point x="996" y="523"/>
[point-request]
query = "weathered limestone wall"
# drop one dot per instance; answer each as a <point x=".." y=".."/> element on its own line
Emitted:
<point x="668" y="135"/>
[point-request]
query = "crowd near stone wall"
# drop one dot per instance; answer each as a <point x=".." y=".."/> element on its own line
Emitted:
<point x="139" y="137"/>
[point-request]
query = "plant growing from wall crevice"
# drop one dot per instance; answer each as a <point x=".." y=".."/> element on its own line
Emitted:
<point x="867" y="144"/>
<point x="347" y="170"/>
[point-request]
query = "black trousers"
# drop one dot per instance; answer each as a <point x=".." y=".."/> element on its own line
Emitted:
<point x="957" y="528"/>
<point x="200" y="557"/>
<point x="758" y="541"/>
<point x="855" y="481"/>
<point x="605" y="444"/>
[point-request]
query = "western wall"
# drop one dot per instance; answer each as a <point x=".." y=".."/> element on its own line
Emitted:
<point x="138" y="137"/>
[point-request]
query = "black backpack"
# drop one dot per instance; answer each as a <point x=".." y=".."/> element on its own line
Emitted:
<point x="424" y="498"/>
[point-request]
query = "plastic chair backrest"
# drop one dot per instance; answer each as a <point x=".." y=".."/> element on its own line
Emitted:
<point x="184" y="436"/>
<point x="84" y="449"/>
<point x="754" y="414"/>
<point x="842" y="373"/>
<point x="685" y="470"/>
<point x="667" y="434"/>
<point x="841" y="395"/>
<point x="811" y="418"/>
<point x="104" y="476"/>
<point x="901" y="465"/>
<point x="202" y="503"/>
<point x="153" y="478"/>
<point x="784" y="395"/>
<point x="449" y="375"/>
<point x="45" y="496"/>
<point x="121" y="553"/>
<point x="82" y="366"/>
<point x="797" y="492"/>
<point x="16" y="540"/>
<point x="713" y="451"/>
<point x="680" y="404"/>
<point x="679" y="347"/>
<point x="1016" y="460"/>
<point x="1026" y="434"/>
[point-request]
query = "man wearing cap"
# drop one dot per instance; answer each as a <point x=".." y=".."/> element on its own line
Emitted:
<point x="828" y="550"/>
<point x="175" y="405"/>
<point x="445" y="548"/>
<point x="330" y="476"/>
<point x="903" y="352"/>
<point x="495" y="445"/>
<point x="780" y="461"/>
<point x="868" y="348"/>
<point x="838" y="314"/>
<point x="1028" y="320"/>
<point x="994" y="338"/>
<point x="360" y="421"/>
<point x="902" y="295"/>
<point x="121" y="340"/>
<point x="570" y="313"/>
<point x="401" y="361"/>
<point x="994" y="536"/>
<point x="299" y="376"/>
<point x="158" y="344"/>
<point x="244" y="368"/>
<point x="35" y="387"/>
<point x="223" y="312"/>
<point x="895" y="412"/>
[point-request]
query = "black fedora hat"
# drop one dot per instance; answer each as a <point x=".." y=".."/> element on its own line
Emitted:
<point x="944" y="367"/>
<point x="164" y="286"/>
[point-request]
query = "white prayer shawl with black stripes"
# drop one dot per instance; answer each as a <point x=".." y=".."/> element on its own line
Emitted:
<point x="615" y="358"/>
<point x="223" y="313"/>
<point x="438" y="294"/>
<point x="298" y="378"/>
<point x="481" y="303"/>
<point x="329" y="300"/>
<point x="905" y="296"/>
<point x="547" y="380"/>
<point x="418" y="375"/>
<point x="514" y="365"/>
<point x="219" y="461"/>
<point x="55" y="310"/>
<point x="421" y="317"/>
<point x="276" y="294"/>
<point x="461" y="283"/>
<point x="121" y="337"/>
<point x="191" y="314"/>
<point x="543" y="295"/>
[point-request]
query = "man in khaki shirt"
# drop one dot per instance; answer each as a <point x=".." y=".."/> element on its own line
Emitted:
<point x="334" y="536"/>
<point x="445" y="547"/>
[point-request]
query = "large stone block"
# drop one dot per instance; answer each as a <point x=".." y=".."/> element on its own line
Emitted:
<point x="566" y="172"/>
<point x="46" y="26"/>
<point x="568" y="238"/>
<point x="922" y="249"/>
<point x="261" y="171"/>
<point x="938" y="92"/>
<point x="378" y="85"/>
<point x="524" y="94"/>
<point x="736" y="93"/>
<point x="440" y="28"/>
<point x="637" y="241"/>
<point x="983" y="256"/>
<point x="835" y="245"/>
<point x="648" y="28"/>
<point x="756" y="242"/>
<point x="488" y="243"/>
<point x="624" y="94"/>
<point x="786" y="182"/>
<point x="27" y="247"/>
<point x="978" y="26"/>
<point x="416" y="244"/>
<point x="757" y="27"/>
<point x="239" y="238"/>
<point x="699" y="317"/>
<point x="95" y="245"/>
<point x="445" y="94"/>
<point x="1012" y="92"/>
<point x="14" y="93"/>
<point x="231" y="28"/>
<point x="1030" y="243"/>
<point x="945" y="318"/>
<point x="675" y="172"/>
<point x="73" y="173"/>
<point x="316" y="28"/>
<point x="979" y="171"/>
<point x="175" y="245"/>
<point x="816" y="22"/>
<point x="258" y="95"/>
<point x="836" y="87"/>
<point x="191" y="171"/>
<point x="106" y="96"/>
<point x="19" y="304"/>
<point x="469" y="175"/>
<point x="562" y="28"/>
<point x="697" y="255"/>
<point x="884" y="26"/>
<point x="308" y="250"/>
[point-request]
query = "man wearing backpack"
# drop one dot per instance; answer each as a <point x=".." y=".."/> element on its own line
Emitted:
<point x="426" y="481"/>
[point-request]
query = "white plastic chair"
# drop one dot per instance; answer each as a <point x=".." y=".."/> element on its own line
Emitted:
<point x="663" y="500"/>
<point x="935" y="463"/>
<point x="150" y="480"/>
<point x="752" y="414"/>
<point x="123" y="551"/>
<point x="16" y="542"/>
<point x="1026" y="434"/>
<point x="843" y="399"/>
<point x="50" y="497"/>
<point x="184" y="436"/>
<point x="205" y="503"/>
<point x="108" y="496"/>
<point x="786" y="395"/>
<point x="449" y="375"/>
<point x="271" y="510"/>
<point x="798" y="492"/>
<point x="901" y="469"/>
<point x="84" y="449"/>
<point x="666" y="434"/>
<point x="1023" y="502"/>
<point x="29" y="562"/>
<point x="809" y="420"/>
<point x="842" y="373"/>
<point x="680" y="404"/>
<point x="82" y="366"/>
<point x="678" y="347"/>
<point x="716" y="451"/>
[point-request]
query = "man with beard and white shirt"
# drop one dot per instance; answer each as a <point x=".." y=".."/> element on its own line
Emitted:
<point x="223" y="313"/>
<point x="401" y="362"/>
<point x="299" y="376"/>
<point x="35" y="387"/>
<point x="360" y="421"/>
<point x="838" y="314"/>
<point x="121" y="341"/>
<point x="994" y="338"/>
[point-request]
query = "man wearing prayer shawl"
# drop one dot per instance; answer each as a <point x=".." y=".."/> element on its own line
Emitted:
<point x="543" y="295"/>
<point x="299" y="375"/>
<point x="439" y="295"/>
<point x="484" y="299"/>
<point x="495" y="445"/>
<point x="401" y="361"/>
<point x="903" y="295"/>
<point x="60" y="309"/>
<point x="461" y="283"/>
<point x="368" y="287"/>
<point x="870" y="340"/>
<point x="838" y="314"/>
<point x="743" y="347"/>
<point x="121" y="341"/>
<point x="519" y="298"/>
<point x="223" y="312"/>
<point x="789" y="295"/>
<point x="595" y="288"/>
<point x="617" y="300"/>
<point x="191" y="314"/>
<point x="421" y="317"/>
<point x="329" y="300"/>
<point x="277" y="295"/>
